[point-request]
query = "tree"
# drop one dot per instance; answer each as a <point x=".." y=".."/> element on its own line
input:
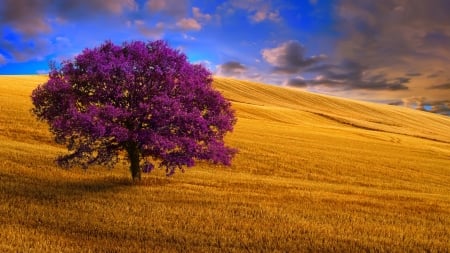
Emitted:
<point x="142" y="98"/>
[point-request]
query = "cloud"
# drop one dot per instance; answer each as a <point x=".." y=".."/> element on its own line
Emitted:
<point x="187" y="24"/>
<point x="385" y="50"/>
<point x="258" y="10"/>
<point x="22" y="51"/>
<point x="435" y="74"/>
<point x="262" y="15"/>
<point x="25" y="16"/>
<point x="188" y="37"/>
<point x="175" y="8"/>
<point x="444" y="86"/>
<point x="408" y="36"/>
<point x="416" y="102"/>
<point x="231" y="69"/>
<point x="413" y="74"/>
<point x="441" y="107"/>
<point x="350" y="75"/>
<point x="31" y="17"/>
<point x="198" y="15"/>
<point x="2" y="59"/>
<point x="422" y="103"/>
<point x="205" y="63"/>
<point x="289" y="57"/>
<point x="81" y="8"/>
<point x="42" y="71"/>
<point x="155" y="32"/>
<point x="298" y="82"/>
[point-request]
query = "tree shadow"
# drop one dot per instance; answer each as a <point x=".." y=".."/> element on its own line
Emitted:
<point x="41" y="190"/>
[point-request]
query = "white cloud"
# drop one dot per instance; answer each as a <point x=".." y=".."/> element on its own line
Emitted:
<point x="42" y="71"/>
<point x="205" y="63"/>
<point x="188" y="37"/>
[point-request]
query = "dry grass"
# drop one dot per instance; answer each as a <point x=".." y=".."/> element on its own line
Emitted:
<point x="314" y="173"/>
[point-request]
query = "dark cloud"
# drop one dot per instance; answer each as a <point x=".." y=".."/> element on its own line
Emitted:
<point x="441" y="107"/>
<point x="421" y="103"/>
<point x="32" y="17"/>
<point x="383" y="46"/>
<point x="436" y="74"/>
<point x="289" y="57"/>
<point x="27" y="50"/>
<point x="407" y="36"/>
<point x="386" y="30"/>
<point x="444" y="86"/>
<point x="349" y="75"/>
<point x="231" y="68"/>
<point x="383" y="83"/>
<point x="77" y="9"/>
<point x="413" y="74"/>
<point x="32" y="20"/>
<point x="296" y="82"/>
<point x="397" y="102"/>
<point x="345" y="70"/>
<point x="26" y="16"/>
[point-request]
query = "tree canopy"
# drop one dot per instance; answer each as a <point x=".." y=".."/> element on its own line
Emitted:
<point x="143" y="99"/>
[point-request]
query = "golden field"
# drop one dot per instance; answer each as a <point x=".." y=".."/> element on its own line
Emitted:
<point x="313" y="174"/>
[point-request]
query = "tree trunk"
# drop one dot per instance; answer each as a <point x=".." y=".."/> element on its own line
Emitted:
<point x="133" y="156"/>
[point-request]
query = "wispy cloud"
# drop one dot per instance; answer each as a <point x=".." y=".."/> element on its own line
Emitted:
<point x="258" y="10"/>
<point x="199" y="16"/>
<point x="153" y="32"/>
<point x="2" y="59"/>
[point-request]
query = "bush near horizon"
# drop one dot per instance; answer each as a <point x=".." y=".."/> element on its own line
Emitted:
<point x="142" y="98"/>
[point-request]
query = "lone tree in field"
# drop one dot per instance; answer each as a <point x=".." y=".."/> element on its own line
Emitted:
<point x="142" y="98"/>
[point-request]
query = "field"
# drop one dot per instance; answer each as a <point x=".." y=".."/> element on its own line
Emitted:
<point x="313" y="173"/>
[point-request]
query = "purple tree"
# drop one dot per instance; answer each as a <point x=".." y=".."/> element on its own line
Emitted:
<point x="142" y="98"/>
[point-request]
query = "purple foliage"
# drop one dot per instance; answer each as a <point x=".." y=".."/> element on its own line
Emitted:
<point x="148" y="167"/>
<point x="143" y="98"/>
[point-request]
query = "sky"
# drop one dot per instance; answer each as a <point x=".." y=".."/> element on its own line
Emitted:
<point x="386" y="51"/>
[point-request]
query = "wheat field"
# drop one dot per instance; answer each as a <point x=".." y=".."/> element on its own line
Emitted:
<point x="313" y="174"/>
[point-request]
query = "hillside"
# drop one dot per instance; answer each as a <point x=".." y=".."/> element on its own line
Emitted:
<point x="313" y="173"/>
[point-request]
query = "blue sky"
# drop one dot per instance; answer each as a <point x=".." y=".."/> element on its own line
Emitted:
<point x="388" y="51"/>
